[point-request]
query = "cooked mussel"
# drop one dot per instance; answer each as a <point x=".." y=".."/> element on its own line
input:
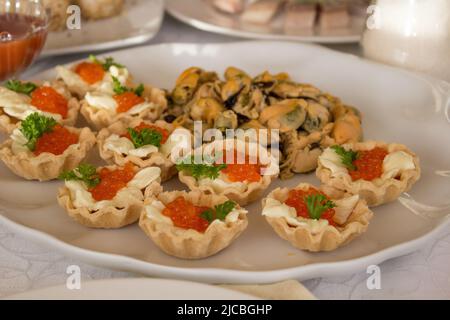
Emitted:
<point x="206" y="110"/>
<point x="286" y="115"/>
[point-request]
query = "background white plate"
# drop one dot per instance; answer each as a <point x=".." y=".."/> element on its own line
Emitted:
<point x="396" y="106"/>
<point x="138" y="23"/>
<point x="135" y="289"/>
<point x="202" y="15"/>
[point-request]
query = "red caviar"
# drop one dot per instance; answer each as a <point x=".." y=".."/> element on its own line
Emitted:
<point x="56" y="141"/>
<point x="49" y="100"/>
<point x="239" y="172"/>
<point x="296" y="199"/>
<point x="90" y="72"/>
<point x="127" y="100"/>
<point x="369" y="164"/>
<point x="142" y="125"/>
<point x="111" y="181"/>
<point x="186" y="215"/>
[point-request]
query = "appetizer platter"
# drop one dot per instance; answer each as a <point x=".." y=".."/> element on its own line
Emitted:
<point x="105" y="24"/>
<point x="355" y="184"/>
<point x="323" y="21"/>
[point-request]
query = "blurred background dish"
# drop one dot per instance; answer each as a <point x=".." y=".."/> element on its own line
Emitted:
<point x="23" y="31"/>
<point x="323" y="21"/>
<point x="137" y="289"/>
<point x="105" y="24"/>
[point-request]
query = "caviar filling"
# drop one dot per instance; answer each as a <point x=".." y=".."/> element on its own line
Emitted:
<point x="111" y="182"/>
<point x="368" y="165"/>
<point x="55" y="141"/>
<point x="311" y="204"/>
<point x="91" y="73"/>
<point x="127" y="100"/>
<point x="49" y="100"/>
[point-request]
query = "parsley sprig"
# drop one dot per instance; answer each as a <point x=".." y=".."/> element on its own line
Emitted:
<point x="200" y="170"/>
<point x="84" y="172"/>
<point x="34" y="126"/>
<point x="317" y="204"/>
<point x="120" y="89"/>
<point x="347" y="157"/>
<point x="145" y="137"/>
<point x="21" y="87"/>
<point x="107" y="63"/>
<point x="220" y="211"/>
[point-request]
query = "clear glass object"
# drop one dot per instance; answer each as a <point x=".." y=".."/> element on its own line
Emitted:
<point x="413" y="34"/>
<point x="23" y="31"/>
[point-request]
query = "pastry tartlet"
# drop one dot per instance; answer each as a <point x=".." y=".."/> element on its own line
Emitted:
<point x="192" y="225"/>
<point x="40" y="149"/>
<point x="93" y="75"/>
<point x="312" y="220"/>
<point x="20" y="99"/>
<point x="377" y="171"/>
<point x="102" y="109"/>
<point x="107" y="197"/>
<point x="143" y="143"/>
<point x="241" y="179"/>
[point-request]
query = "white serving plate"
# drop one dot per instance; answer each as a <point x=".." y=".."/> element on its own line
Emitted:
<point x="202" y="15"/>
<point x="136" y="289"/>
<point x="396" y="106"/>
<point x="138" y="23"/>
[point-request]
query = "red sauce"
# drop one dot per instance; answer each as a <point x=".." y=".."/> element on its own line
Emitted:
<point x="142" y="125"/>
<point x="186" y="215"/>
<point x="56" y="141"/>
<point x="21" y="40"/>
<point x="111" y="181"/>
<point x="49" y="100"/>
<point x="369" y="164"/>
<point x="239" y="172"/>
<point x="90" y="72"/>
<point x="127" y="100"/>
<point x="296" y="199"/>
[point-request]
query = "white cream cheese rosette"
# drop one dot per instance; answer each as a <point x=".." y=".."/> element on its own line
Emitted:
<point x="351" y="217"/>
<point x="190" y="243"/>
<point x="15" y="107"/>
<point x="114" y="148"/>
<point x="243" y="192"/>
<point x="401" y="170"/>
<point x="79" y="87"/>
<point x="122" y="210"/>
<point x="100" y="108"/>
<point x="45" y="166"/>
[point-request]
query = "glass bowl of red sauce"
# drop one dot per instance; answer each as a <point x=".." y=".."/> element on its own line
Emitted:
<point x="23" y="31"/>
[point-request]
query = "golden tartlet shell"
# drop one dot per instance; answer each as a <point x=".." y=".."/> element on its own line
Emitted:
<point x="47" y="166"/>
<point x="375" y="192"/>
<point x="100" y="118"/>
<point x="108" y="217"/>
<point x="190" y="244"/>
<point x="9" y="123"/>
<point x="156" y="159"/>
<point x="330" y="237"/>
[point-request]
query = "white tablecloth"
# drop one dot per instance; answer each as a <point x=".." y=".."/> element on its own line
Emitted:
<point x="424" y="274"/>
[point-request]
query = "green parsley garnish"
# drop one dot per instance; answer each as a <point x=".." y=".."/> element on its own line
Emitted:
<point x="317" y="204"/>
<point x="108" y="63"/>
<point x="219" y="212"/>
<point x="201" y="170"/>
<point x="145" y="137"/>
<point x="21" y="87"/>
<point x="347" y="157"/>
<point x="120" y="89"/>
<point x="84" y="172"/>
<point x="34" y="126"/>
